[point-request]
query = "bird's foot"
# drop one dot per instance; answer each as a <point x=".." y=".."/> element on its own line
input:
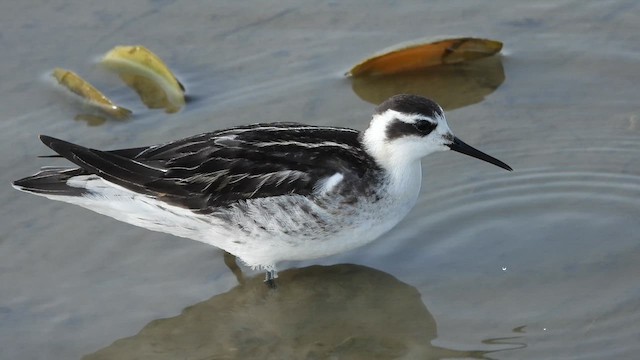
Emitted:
<point x="270" y="278"/>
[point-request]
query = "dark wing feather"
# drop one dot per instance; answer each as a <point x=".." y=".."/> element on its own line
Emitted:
<point x="52" y="181"/>
<point x="115" y="168"/>
<point x="214" y="169"/>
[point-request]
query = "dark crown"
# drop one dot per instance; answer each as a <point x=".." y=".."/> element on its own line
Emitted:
<point x="411" y="104"/>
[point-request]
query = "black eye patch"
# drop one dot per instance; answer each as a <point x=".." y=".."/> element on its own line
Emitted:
<point x="424" y="127"/>
<point x="398" y="128"/>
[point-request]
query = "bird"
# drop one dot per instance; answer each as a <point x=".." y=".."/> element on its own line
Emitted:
<point x="266" y="192"/>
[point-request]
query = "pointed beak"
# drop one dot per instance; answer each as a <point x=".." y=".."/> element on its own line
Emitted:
<point x="461" y="147"/>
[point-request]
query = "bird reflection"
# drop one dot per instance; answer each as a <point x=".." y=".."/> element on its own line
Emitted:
<point x="319" y="312"/>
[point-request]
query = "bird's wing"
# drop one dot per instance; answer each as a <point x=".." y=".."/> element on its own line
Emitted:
<point x="214" y="169"/>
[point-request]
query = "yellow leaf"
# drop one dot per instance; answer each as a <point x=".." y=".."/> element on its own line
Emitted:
<point x="148" y="75"/>
<point x="77" y="85"/>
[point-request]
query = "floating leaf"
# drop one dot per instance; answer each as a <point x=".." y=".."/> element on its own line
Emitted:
<point x="77" y="85"/>
<point x="417" y="55"/>
<point x="452" y="86"/>
<point x="148" y="75"/>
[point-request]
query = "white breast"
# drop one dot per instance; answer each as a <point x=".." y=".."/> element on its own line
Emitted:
<point x="264" y="231"/>
<point x="296" y="228"/>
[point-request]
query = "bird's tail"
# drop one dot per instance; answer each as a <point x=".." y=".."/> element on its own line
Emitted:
<point x="51" y="181"/>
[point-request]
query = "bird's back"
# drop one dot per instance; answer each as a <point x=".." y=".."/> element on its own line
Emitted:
<point x="216" y="169"/>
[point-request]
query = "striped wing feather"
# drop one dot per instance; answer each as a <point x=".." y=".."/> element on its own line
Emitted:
<point x="215" y="169"/>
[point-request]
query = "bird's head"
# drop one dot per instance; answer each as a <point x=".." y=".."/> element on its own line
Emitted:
<point x="406" y="128"/>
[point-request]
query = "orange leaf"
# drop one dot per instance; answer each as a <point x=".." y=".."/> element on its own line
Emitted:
<point x="418" y="55"/>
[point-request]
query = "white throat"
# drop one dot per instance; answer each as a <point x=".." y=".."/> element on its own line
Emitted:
<point x="375" y="143"/>
<point x="404" y="171"/>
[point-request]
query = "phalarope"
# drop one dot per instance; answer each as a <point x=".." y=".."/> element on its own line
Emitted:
<point x="265" y="192"/>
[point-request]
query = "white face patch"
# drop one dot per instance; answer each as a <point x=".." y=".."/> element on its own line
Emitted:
<point x="408" y="118"/>
<point x="407" y="143"/>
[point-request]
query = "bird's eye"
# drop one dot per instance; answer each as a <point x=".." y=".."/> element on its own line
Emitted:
<point x="424" y="126"/>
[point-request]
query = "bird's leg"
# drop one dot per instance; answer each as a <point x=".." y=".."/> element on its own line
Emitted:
<point x="270" y="278"/>
<point x="230" y="261"/>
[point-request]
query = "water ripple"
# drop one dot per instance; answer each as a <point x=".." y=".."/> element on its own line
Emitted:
<point x="536" y="204"/>
<point x="533" y="184"/>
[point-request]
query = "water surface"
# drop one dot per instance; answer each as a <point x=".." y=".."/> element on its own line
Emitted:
<point x="539" y="263"/>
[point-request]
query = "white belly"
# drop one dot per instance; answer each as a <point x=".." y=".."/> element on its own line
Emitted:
<point x="261" y="231"/>
<point x="265" y="237"/>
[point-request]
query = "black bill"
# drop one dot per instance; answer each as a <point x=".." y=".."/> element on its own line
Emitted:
<point x="461" y="147"/>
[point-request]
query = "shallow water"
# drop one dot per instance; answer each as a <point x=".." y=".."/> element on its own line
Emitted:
<point x="539" y="263"/>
